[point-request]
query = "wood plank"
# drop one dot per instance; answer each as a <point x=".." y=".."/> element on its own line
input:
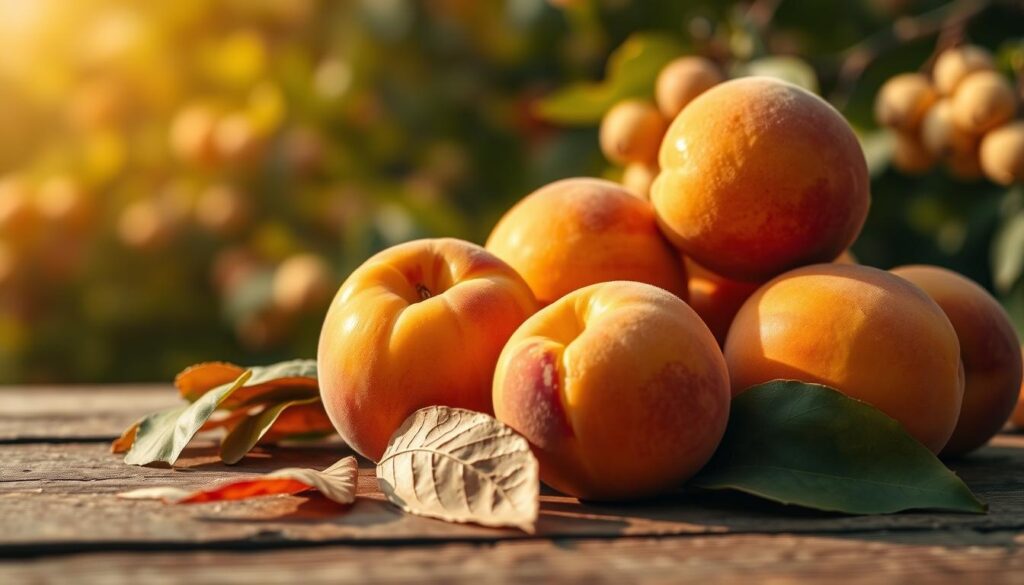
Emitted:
<point x="34" y="413"/>
<point x="857" y="558"/>
<point x="61" y="498"/>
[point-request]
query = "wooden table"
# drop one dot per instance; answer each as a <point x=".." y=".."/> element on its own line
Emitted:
<point x="61" y="521"/>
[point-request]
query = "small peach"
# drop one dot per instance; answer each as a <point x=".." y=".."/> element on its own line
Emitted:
<point x="988" y="348"/>
<point x="419" y="324"/>
<point x="577" y="232"/>
<point x="759" y="176"/>
<point x="620" y="389"/>
<point x="863" y="331"/>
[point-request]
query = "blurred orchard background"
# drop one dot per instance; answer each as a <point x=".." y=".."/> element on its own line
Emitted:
<point x="191" y="180"/>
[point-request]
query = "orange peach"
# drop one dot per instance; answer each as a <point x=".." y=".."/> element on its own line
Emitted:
<point x="988" y="348"/>
<point x="717" y="299"/>
<point x="416" y="325"/>
<point x="577" y="232"/>
<point x="620" y="389"/>
<point x="759" y="176"/>
<point x="867" y="333"/>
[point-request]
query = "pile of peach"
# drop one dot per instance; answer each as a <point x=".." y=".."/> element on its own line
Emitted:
<point x="961" y="116"/>
<point x="573" y="326"/>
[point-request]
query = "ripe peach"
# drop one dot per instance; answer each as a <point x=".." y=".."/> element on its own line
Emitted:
<point x="631" y="132"/>
<point x="988" y="348"/>
<point x="957" y="63"/>
<point x="620" y="389"/>
<point x="682" y="80"/>
<point x="865" y="332"/>
<point x="419" y="324"/>
<point x="909" y="155"/>
<point x="1002" y="154"/>
<point x="903" y="100"/>
<point x="715" y="298"/>
<point x="984" y="100"/>
<point x="759" y="176"/>
<point x="576" y="232"/>
<point x="638" y="177"/>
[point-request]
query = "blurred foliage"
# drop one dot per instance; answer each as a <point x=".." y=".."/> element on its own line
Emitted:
<point x="192" y="180"/>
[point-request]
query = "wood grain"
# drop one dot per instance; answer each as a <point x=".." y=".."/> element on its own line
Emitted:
<point x="866" y="559"/>
<point x="74" y="487"/>
<point x="63" y="521"/>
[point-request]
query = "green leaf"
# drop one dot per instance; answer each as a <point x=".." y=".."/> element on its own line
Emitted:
<point x="163" y="435"/>
<point x="632" y="71"/>
<point x="810" y="445"/>
<point x="791" y="69"/>
<point x="251" y="429"/>
<point x="1008" y="253"/>
<point x="295" y="378"/>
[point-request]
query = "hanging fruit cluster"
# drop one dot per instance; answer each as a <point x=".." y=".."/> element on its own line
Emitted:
<point x="960" y="116"/>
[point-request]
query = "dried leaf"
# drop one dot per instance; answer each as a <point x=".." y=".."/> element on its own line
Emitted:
<point x="301" y="422"/>
<point x="163" y="435"/>
<point x="290" y="380"/>
<point x="252" y="428"/>
<point x="461" y="466"/>
<point x="196" y="380"/>
<point x="126" y="440"/>
<point x="337" y="483"/>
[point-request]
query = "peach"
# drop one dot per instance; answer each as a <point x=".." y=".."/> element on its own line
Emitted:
<point x="988" y="348"/>
<point x="577" y="232"/>
<point x="419" y="324"/>
<point x="867" y="333"/>
<point x="631" y="131"/>
<point x="759" y="176"/>
<point x="717" y="299"/>
<point x="620" y="389"/>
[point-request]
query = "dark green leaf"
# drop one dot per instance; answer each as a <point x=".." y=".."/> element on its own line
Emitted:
<point x="163" y="435"/>
<point x="632" y="71"/>
<point x="251" y="429"/>
<point x="810" y="445"/>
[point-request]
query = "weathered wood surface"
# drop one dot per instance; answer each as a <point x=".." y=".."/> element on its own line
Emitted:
<point x="58" y="486"/>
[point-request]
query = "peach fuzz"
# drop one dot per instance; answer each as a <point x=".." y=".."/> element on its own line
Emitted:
<point x="759" y="176"/>
<point x="988" y="348"/>
<point x="717" y="299"/>
<point x="577" y="232"/>
<point x="865" y="332"/>
<point x="620" y="389"/>
<point x="419" y="324"/>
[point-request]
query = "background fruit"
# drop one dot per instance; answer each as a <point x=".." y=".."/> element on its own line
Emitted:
<point x="577" y="232"/>
<point x="759" y="176"/>
<point x="954" y="64"/>
<point x="619" y="387"/>
<point x="1002" y="154"/>
<point x="638" y="178"/>
<point x="989" y="351"/>
<point x="682" y="80"/>
<point x="909" y="155"/>
<point x="983" y="101"/>
<point x="941" y="137"/>
<point x="631" y="132"/>
<point x="863" y="331"/>
<point x="419" y="324"/>
<point x="903" y="101"/>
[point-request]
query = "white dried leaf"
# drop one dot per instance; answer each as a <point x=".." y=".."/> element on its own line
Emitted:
<point x="461" y="466"/>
